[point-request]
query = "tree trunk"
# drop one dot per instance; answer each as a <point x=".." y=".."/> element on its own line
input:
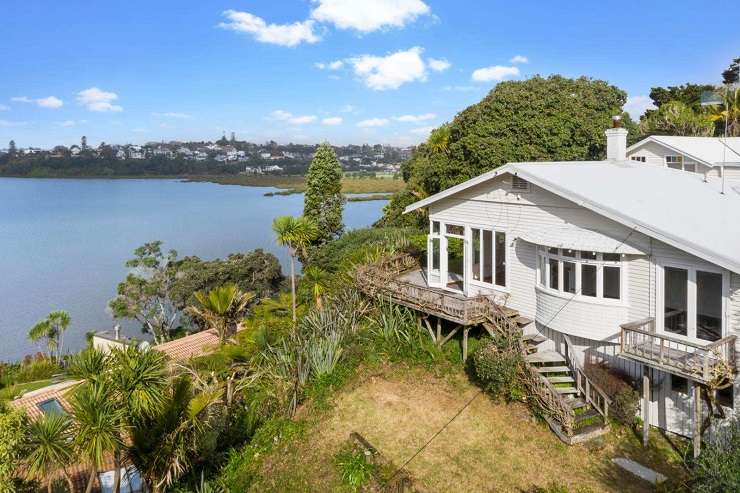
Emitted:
<point x="49" y="484"/>
<point x="292" y="284"/>
<point x="91" y="480"/>
<point x="70" y="483"/>
<point x="117" y="472"/>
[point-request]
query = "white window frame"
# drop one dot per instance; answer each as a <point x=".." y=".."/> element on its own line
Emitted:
<point x="494" y="253"/>
<point x="661" y="264"/>
<point x="543" y="278"/>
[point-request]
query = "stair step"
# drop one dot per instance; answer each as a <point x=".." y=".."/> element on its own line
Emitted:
<point x="598" y="427"/>
<point x="566" y="390"/>
<point x="591" y="413"/>
<point x="523" y="321"/>
<point x="576" y="403"/>
<point x="553" y="369"/>
<point x="561" y="379"/>
<point x="545" y="357"/>
<point x="534" y="339"/>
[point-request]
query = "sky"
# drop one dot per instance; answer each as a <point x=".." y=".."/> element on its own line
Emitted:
<point x="304" y="71"/>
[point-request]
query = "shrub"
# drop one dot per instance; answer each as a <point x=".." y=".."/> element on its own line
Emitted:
<point x="354" y="467"/>
<point x="324" y="353"/>
<point x="718" y="467"/>
<point x="497" y="365"/>
<point x="625" y="399"/>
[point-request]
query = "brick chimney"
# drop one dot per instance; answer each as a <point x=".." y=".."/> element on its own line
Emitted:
<point x="616" y="141"/>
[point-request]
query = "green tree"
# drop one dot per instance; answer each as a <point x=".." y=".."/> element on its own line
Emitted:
<point x="323" y="199"/>
<point x="12" y="150"/>
<point x="732" y="74"/>
<point x="12" y="443"/>
<point x="295" y="233"/>
<point x="315" y="281"/>
<point x="221" y="308"/>
<point x="50" y="449"/>
<point x="676" y="118"/>
<point x="145" y="295"/>
<point x="52" y="329"/>
<point x="728" y="113"/>
<point x="688" y="94"/>
<point x="439" y="139"/>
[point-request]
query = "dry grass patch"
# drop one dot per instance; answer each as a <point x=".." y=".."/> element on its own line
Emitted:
<point x="488" y="447"/>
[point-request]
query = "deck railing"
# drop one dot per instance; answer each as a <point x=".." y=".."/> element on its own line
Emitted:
<point x="591" y="392"/>
<point x="713" y="362"/>
<point x="383" y="279"/>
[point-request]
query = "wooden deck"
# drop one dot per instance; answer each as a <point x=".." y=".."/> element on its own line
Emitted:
<point x="711" y="364"/>
<point x="408" y="287"/>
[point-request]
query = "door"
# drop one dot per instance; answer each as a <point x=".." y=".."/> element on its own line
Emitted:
<point x="454" y="258"/>
<point x="434" y="261"/>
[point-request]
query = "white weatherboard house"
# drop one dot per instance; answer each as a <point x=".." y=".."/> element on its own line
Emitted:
<point x="613" y="262"/>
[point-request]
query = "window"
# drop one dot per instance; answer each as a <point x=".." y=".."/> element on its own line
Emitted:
<point x="52" y="406"/>
<point x="675" y="300"/>
<point x="679" y="384"/>
<point x="640" y="159"/>
<point x="690" y="167"/>
<point x="693" y="302"/>
<point x="582" y="273"/>
<point x="435" y="254"/>
<point x="435" y="227"/>
<point x="675" y="162"/>
<point x="726" y="397"/>
<point x="489" y="256"/>
<point x="519" y="184"/>
<point x="455" y="229"/>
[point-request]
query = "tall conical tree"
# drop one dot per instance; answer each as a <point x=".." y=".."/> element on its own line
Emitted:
<point x="323" y="202"/>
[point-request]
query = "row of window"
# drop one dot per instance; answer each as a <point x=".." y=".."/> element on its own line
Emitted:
<point x="489" y="256"/>
<point x="674" y="162"/>
<point x="590" y="274"/>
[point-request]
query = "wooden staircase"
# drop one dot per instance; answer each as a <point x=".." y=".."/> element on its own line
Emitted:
<point x="582" y="408"/>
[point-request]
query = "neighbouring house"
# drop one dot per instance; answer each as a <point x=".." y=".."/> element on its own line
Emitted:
<point x="75" y="150"/>
<point x="121" y="154"/>
<point x="136" y="152"/>
<point x="704" y="155"/>
<point x="191" y="346"/>
<point x="602" y="262"/>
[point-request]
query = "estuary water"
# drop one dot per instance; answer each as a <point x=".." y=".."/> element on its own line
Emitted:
<point x="64" y="243"/>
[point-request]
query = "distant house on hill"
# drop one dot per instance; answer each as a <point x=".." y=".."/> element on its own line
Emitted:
<point x="704" y="155"/>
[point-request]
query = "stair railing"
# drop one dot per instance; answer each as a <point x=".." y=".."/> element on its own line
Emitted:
<point x="591" y="392"/>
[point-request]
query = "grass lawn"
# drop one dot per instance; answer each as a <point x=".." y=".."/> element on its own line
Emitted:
<point x="296" y="184"/>
<point x="10" y="392"/>
<point x="488" y="447"/>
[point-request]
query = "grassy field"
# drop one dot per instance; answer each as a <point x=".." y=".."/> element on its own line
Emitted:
<point x="489" y="447"/>
<point x="10" y="392"/>
<point x="297" y="184"/>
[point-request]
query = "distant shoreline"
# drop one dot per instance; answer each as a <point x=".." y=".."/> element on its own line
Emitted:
<point x="370" y="188"/>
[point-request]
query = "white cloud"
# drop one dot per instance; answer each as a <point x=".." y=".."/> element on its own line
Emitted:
<point x="302" y="120"/>
<point x="438" y="65"/>
<point x="68" y="123"/>
<point x="280" y="115"/>
<point x="637" y="105"/>
<point x="333" y="120"/>
<point x="415" y="118"/>
<point x="174" y="114"/>
<point x="373" y="122"/>
<point x="50" y="102"/>
<point x="422" y="130"/>
<point x="495" y="73"/>
<point x="7" y="123"/>
<point x="95" y="99"/>
<point x="459" y="88"/>
<point x="278" y="34"/>
<point x="335" y="65"/>
<point x="4" y="107"/>
<point x="348" y="108"/>
<point x="369" y="15"/>
<point x="391" y="71"/>
<point x="21" y="99"/>
<point x="519" y="59"/>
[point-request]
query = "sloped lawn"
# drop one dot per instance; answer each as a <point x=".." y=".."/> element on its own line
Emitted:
<point x="488" y="447"/>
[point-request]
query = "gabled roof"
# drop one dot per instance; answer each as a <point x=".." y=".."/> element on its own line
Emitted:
<point x="672" y="206"/>
<point x="191" y="346"/>
<point x="710" y="151"/>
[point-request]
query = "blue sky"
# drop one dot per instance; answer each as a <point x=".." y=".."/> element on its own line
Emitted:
<point x="347" y="71"/>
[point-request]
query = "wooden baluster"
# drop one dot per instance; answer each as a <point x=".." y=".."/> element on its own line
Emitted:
<point x="662" y="349"/>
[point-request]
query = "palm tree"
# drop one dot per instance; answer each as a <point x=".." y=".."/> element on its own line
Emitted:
<point x="439" y="140"/>
<point x="221" y="308"/>
<point x="98" y="421"/>
<point x="52" y="329"/>
<point x="727" y="114"/>
<point x="50" y="449"/>
<point x="165" y="445"/>
<point x="315" y="278"/>
<point x="295" y="233"/>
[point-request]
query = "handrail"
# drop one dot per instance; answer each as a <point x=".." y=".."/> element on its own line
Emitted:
<point x="584" y="384"/>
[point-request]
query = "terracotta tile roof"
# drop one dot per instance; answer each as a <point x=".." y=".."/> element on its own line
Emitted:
<point x="192" y="346"/>
<point x="29" y="402"/>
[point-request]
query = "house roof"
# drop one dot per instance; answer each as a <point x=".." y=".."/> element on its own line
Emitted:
<point x="572" y="237"/>
<point x="710" y="151"/>
<point x="30" y="401"/>
<point x="673" y="206"/>
<point x="192" y="346"/>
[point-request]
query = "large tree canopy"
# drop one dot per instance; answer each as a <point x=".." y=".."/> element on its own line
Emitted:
<point x="539" y="119"/>
<point x="323" y="200"/>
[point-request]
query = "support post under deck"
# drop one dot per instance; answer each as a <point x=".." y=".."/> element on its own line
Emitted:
<point x="697" y="420"/>
<point x="645" y="405"/>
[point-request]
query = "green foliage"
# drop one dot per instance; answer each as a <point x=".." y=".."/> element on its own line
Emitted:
<point x="30" y="369"/>
<point x="718" y="467"/>
<point x="539" y="119"/>
<point x="732" y="74"/>
<point x="221" y="308"/>
<point x="688" y="94"/>
<point x="52" y="329"/>
<point x="12" y="441"/>
<point x="49" y="446"/>
<point x="625" y="399"/>
<point x="393" y="215"/>
<point x="243" y="466"/>
<point x="257" y="271"/>
<point x="498" y="365"/>
<point x="354" y="468"/>
<point x="323" y="199"/>
<point x="676" y="118"/>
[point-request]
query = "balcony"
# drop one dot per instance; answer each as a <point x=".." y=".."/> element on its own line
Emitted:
<point x="711" y="364"/>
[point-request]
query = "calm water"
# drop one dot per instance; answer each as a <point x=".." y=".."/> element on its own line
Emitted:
<point x="63" y="243"/>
